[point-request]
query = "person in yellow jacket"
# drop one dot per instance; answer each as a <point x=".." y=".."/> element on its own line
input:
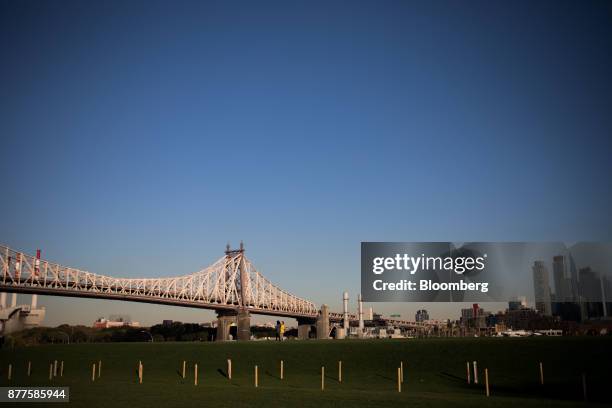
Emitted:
<point x="282" y="331"/>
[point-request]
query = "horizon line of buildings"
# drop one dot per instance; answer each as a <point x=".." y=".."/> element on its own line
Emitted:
<point x="579" y="293"/>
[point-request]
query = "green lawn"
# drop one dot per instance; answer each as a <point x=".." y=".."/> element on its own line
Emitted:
<point x="435" y="371"/>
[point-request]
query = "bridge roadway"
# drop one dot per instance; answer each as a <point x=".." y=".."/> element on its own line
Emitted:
<point x="231" y="286"/>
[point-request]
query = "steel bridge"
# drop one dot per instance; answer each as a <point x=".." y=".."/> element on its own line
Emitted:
<point x="231" y="286"/>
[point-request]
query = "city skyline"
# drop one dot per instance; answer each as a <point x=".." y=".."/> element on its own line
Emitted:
<point x="589" y="286"/>
<point x="139" y="138"/>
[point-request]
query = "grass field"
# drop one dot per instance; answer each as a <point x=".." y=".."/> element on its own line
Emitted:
<point x="435" y="371"/>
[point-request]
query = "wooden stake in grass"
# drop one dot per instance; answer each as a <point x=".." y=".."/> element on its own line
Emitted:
<point x="184" y="366"/>
<point x="62" y="368"/>
<point x="584" y="387"/>
<point x="402" y="371"/>
<point x="282" y="370"/>
<point x="468" y="372"/>
<point x="195" y="373"/>
<point x="140" y="372"/>
<point x="51" y="372"/>
<point x="229" y="369"/>
<point x="399" y="379"/>
<point x="322" y="378"/>
<point x="99" y="368"/>
<point x="93" y="372"/>
<point x="256" y="377"/>
<point x="340" y="371"/>
<point x="475" y="365"/>
<point x="487" y="381"/>
<point x="541" y="374"/>
<point x="10" y="371"/>
<point x="55" y="368"/>
<point x="29" y="368"/>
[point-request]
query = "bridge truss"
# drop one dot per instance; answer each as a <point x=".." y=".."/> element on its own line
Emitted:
<point x="231" y="283"/>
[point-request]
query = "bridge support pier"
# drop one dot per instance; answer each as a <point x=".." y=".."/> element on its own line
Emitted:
<point x="323" y="323"/>
<point x="304" y="326"/>
<point x="244" y="325"/>
<point x="224" y="322"/>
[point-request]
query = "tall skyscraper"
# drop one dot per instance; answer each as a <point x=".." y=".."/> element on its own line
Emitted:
<point x="590" y="286"/>
<point x="592" y="289"/>
<point x="563" y="288"/>
<point x="541" y="288"/>
<point x="606" y="291"/>
<point x="573" y="272"/>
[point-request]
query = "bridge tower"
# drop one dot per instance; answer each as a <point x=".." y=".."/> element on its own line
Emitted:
<point x="235" y="273"/>
<point x="323" y="323"/>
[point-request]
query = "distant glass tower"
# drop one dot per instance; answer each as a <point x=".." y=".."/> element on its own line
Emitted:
<point x="541" y="288"/>
<point x="563" y="285"/>
<point x="592" y="293"/>
<point x="574" y="290"/>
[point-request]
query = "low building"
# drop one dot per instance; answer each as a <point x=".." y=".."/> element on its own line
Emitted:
<point x="103" y="323"/>
<point x="421" y="316"/>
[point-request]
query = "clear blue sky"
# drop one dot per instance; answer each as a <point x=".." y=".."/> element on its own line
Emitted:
<point x="139" y="137"/>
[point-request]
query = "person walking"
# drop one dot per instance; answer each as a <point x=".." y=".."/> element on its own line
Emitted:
<point x="282" y="331"/>
<point x="278" y="330"/>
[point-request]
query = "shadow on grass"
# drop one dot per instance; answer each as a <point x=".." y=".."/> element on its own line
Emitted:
<point x="272" y="375"/>
<point x="557" y="391"/>
<point x="597" y="390"/>
<point x="332" y="378"/>
<point x="452" y="377"/>
<point x="224" y="375"/>
<point x="386" y="377"/>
